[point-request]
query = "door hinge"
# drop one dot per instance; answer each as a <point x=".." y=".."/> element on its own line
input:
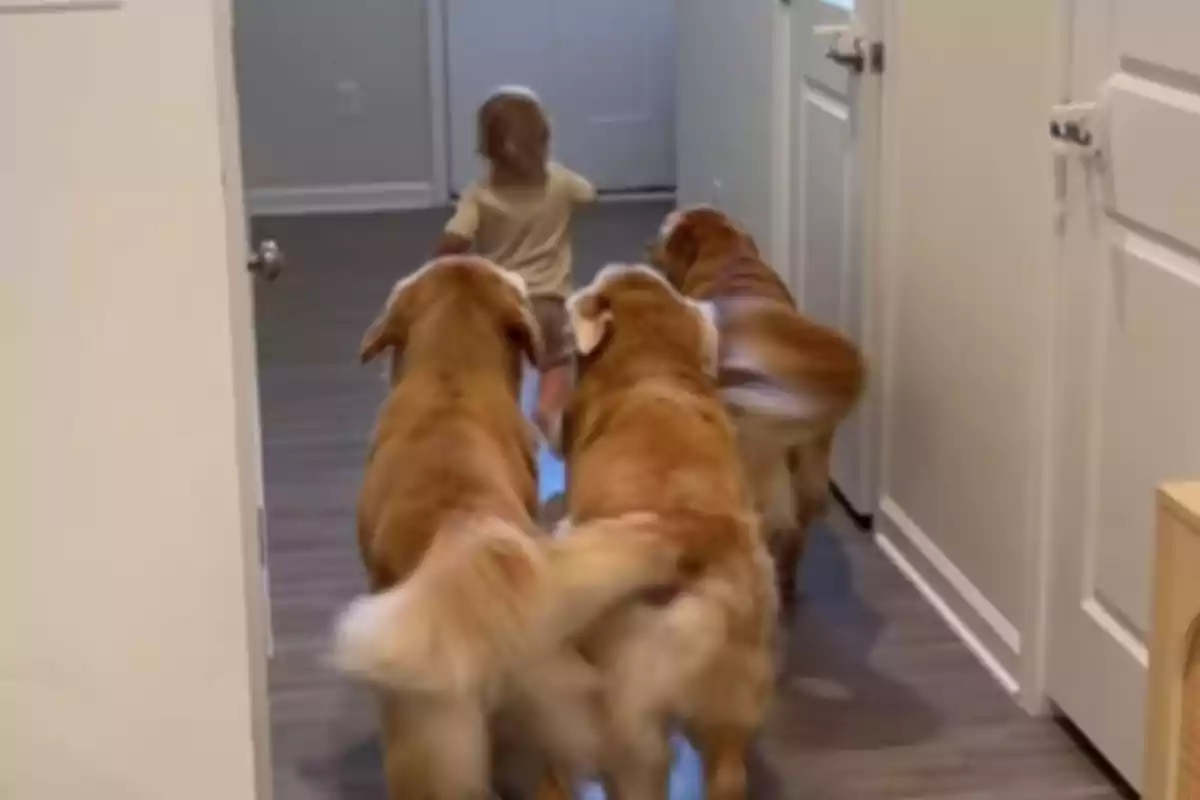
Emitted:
<point x="268" y="619"/>
<point x="875" y="57"/>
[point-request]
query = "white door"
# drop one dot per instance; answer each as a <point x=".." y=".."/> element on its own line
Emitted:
<point x="605" y="70"/>
<point x="967" y="254"/>
<point x="1129" y="358"/>
<point x="835" y="104"/>
<point x="130" y="589"/>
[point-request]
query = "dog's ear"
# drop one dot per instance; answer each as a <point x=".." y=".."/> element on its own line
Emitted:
<point x="390" y="328"/>
<point x="656" y="254"/>
<point x="520" y="323"/>
<point x="590" y="317"/>
<point x="706" y="313"/>
<point x="676" y="248"/>
<point x="524" y="330"/>
<point x="681" y="243"/>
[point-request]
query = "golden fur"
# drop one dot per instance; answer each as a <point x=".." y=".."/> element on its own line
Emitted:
<point x="470" y="606"/>
<point x="788" y="381"/>
<point x="646" y="432"/>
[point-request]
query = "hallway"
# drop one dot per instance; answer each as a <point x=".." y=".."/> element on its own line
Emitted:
<point x="878" y="698"/>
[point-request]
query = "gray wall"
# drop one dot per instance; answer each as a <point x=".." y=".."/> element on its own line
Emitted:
<point x="333" y="92"/>
<point x="725" y="107"/>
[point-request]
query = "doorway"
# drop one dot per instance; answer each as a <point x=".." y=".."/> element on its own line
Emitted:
<point x="133" y="483"/>
<point x="355" y="198"/>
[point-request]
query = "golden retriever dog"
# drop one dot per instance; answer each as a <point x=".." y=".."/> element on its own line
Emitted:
<point x="470" y="605"/>
<point x="788" y="381"/>
<point x="646" y="433"/>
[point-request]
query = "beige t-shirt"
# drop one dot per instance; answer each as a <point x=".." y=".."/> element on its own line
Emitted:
<point x="525" y="229"/>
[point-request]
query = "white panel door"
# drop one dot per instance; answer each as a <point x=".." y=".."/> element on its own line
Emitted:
<point x="834" y="161"/>
<point x="1129" y="356"/>
<point x="605" y="70"/>
<point x="968" y="256"/>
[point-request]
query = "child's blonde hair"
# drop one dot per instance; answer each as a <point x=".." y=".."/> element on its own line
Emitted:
<point x="514" y="137"/>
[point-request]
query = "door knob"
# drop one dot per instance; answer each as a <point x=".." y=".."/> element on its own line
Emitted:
<point x="850" y="49"/>
<point x="267" y="260"/>
<point x="846" y="49"/>
<point x="855" y="62"/>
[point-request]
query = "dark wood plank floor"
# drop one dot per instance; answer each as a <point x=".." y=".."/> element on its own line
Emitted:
<point x="878" y="699"/>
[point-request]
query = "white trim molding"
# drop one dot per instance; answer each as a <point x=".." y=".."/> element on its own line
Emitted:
<point x="986" y="632"/>
<point x="635" y="196"/>
<point x="55" y="6"/>
<point x="343" y="199"/>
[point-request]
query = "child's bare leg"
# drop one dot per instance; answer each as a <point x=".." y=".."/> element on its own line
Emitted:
<point x="554" y="381"/>
<point x="553" y="386"/>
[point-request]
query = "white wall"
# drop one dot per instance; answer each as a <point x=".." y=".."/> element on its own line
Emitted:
<point x="727" y="108"/>
<point x="969" y="263"/>
<point x="334" y="94"/>
<point x="124" y="668"/>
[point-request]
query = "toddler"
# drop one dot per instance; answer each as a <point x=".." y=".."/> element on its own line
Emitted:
<point x="518" y="216"/>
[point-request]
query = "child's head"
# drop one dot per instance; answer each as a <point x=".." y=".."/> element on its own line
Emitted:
<point x="514" y="137"/>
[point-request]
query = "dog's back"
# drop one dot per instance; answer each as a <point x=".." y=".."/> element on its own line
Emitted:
<point x="647" y="431"/>
<point x="788" y="381"/>
<point x="775" y="362"/>
<point x="445" y="445"/>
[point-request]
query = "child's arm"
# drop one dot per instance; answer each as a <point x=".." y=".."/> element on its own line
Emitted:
<point x="451" y="244"/>
<point x="459" y="235"/>
<point x="581" y="189"/>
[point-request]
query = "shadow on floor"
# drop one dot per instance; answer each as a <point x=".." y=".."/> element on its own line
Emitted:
<point x="831" y="697"/>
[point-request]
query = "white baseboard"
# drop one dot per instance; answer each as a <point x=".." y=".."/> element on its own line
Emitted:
<point x="343" y="199"/>
<point x="638" y="196"/>
<point x="987" y="633"/>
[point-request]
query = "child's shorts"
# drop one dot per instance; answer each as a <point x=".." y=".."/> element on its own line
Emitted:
<point x="551" y="314"/>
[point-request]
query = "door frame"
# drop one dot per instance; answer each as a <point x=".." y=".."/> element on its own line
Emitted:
<point x="247" y="383"/>
<point x="874" y="18"/>
<point x="1034" y="692"/>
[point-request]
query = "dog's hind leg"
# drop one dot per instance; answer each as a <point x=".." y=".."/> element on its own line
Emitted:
<point x="641" y="776"/>
<point x="809" y="466"/>
<point x="723" y="750"/>
<point x="787" y="551"/>
<point x="637" y="762"/>
<point x="776" y="499"/>
<point x="443" y="756"/>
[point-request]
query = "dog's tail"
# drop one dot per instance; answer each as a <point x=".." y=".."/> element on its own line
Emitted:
<point x="776" y="364"/>
<point x="727" y="613"/>
<point x="489" y="595"/>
